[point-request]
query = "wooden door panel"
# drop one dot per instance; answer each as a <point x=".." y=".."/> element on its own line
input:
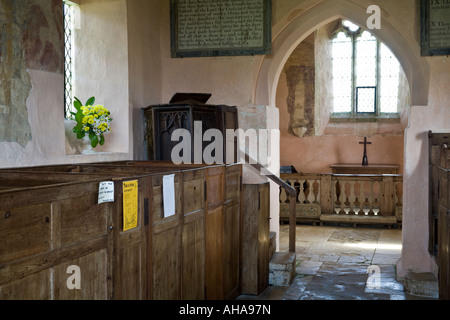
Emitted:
<point x="25" y="231"/>
<point x="93" y="274"/>
<point x="193" y="256"/>
<point x="36" y="286"/>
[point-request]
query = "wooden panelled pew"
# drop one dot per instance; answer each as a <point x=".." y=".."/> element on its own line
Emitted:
<point x="39" y="243"/>
<point x="191" y="255"/>
<point x="48" y="228"/>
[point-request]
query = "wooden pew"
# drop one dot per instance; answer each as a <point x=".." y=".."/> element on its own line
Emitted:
<point x="42" y="234"/>
<point x="172" y="257"/>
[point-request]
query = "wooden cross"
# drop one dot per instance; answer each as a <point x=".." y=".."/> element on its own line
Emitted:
<point x="365" y="162"/>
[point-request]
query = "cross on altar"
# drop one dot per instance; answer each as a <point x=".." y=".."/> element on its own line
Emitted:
<point x="365" y="162"/>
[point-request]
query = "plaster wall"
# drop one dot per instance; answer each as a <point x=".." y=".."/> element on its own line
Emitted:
<point x="144" y="67"/>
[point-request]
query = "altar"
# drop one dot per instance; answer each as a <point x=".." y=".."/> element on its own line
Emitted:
<point x="339" y="168"/>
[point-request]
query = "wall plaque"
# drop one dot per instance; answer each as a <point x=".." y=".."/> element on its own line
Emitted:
<point x="204" y="28"/>
<point x="435" y="27"/>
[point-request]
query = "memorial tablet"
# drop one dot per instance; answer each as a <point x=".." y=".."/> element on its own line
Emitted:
<point x="435" y="27"/>
<point x="203" y="28"/>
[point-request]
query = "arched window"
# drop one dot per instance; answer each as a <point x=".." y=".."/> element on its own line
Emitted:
<point x="366" y="75"/>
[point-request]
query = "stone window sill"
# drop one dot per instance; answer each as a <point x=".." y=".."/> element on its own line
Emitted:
<point x="365" y="117"/>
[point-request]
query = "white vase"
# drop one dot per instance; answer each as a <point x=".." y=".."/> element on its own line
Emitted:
<point x="87" y="146"/>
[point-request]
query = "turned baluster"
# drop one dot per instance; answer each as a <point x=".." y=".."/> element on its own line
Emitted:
<point x="371" y="199"/>
<point x="336" y="195"/>
<point x="298" y="191"/>
<point x="342" y="196"/>
<point x="316" y="191"/>
<point x="301" y="197"/>
<point x="352" y="198"/>
<point x="365" y="194"/>
<point x="359" y="199"/>
<point x="347" y="203"/>
<point x="307" y="186"/>
<point x="376" y="206"/>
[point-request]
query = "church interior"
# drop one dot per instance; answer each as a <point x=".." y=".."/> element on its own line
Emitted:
<point x="345" y="105"/>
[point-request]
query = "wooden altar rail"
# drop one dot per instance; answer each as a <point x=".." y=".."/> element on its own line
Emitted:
<point x="356" y="199"/>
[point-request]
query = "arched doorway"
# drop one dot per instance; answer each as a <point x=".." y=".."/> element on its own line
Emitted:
<point x="288" y="37"/>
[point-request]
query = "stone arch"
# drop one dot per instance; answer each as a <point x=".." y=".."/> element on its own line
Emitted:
<point x="406" y="48"/>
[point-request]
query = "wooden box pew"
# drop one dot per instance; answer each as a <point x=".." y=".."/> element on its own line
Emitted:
<point x="44" y="237"/>
<point x="185" y="255"/>
<point x="138" y="264"/>
<point x="223" y="225"/>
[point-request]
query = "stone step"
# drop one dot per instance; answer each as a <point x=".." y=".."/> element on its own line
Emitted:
<point x="423" y="284"/>
<point x="282" y="269"/>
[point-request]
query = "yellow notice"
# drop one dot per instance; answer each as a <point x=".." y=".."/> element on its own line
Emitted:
<point x="130" y="204"/>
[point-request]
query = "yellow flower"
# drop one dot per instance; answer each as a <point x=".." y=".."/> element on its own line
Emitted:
<point x="103" y="127"/>
<point x="86" y="129"/>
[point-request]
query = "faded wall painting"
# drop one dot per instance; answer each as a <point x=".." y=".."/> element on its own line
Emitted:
<point x="31" y="37"/>
<point x="300" y="77"/>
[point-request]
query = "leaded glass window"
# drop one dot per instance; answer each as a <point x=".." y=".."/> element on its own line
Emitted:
<point x="366" y="74"/>
<point x="389" y="80"/>
<point x="342" y="71"/>
<point x="68" y="54"/>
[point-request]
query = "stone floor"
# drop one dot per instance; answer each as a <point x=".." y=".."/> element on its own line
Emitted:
<point x="333" y="263"/>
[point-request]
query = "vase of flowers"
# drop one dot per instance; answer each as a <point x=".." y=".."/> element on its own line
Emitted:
<point x="92" y="123"/>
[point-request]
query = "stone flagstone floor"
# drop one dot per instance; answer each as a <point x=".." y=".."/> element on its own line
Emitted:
<point x="332" y="263"/>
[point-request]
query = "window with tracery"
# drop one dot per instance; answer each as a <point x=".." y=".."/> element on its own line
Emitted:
<point x="366" y="74"/>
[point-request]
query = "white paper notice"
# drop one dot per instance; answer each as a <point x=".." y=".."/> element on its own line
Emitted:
<point x="106" y="192"/>
<point x="169" y="195"/>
